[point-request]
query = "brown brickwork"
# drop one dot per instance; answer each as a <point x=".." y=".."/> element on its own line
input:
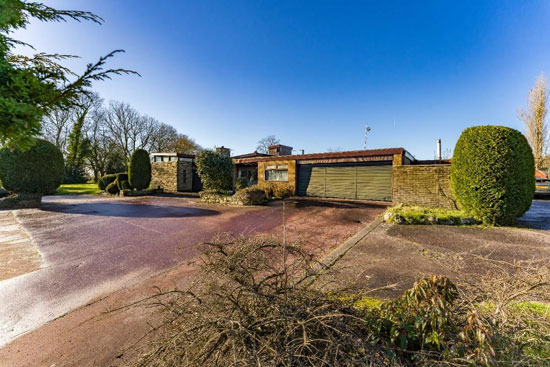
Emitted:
<point x="291" y="171"/>
<point x="423" y="185"/>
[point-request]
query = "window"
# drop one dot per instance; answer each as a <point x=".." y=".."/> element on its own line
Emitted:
<point x="276" y="172"/>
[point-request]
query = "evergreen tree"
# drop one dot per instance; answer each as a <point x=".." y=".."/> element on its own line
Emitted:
<point x="31" y="87"/>
<point x="78" y="149"/>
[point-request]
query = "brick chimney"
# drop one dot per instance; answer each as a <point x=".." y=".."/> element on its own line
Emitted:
<point x="279" y="149"/>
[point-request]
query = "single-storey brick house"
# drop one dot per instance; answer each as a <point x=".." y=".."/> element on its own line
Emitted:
<point x="391" y="174"/>
<point x="361" y="174"/>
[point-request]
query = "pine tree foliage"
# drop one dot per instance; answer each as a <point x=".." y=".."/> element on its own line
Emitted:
<point x="31" y="87"/>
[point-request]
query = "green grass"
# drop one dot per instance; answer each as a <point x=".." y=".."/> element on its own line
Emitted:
<point x="78" y="189"/>
<point x="422" y="215"/>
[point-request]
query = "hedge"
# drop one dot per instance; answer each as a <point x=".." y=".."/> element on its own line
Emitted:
<point x="39" y="169"/>
<point x="105" y="180"/>
<point x="215" y="170"/>
<point x="139" y="170"/>
<point x="120" y="178"/>
<point x="112" y="188"/>
<point x="493" y="174"/>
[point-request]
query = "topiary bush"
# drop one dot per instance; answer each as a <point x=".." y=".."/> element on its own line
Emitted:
<point x="493" y="174"/>
<point x="215" y="170"/>
<point x="105" y="180"/>
<point x="39" y="169"/>
<point x="125" y="185"/>
<point x="120" y="178"/>
<point x="139" y="170"/>
<point x="112" y="188"/>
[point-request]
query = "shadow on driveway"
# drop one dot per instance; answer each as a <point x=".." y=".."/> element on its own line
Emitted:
<point x="129" y="210"/>
<point x="538" y="216"/>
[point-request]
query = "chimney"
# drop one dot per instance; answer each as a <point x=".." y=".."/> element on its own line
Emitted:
<point x="226" y="152"/>
<point x="279" y="149"/>
<point x="438" y="150"/>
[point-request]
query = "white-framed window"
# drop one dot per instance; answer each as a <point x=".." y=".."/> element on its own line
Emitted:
<point x="277" y="172"/>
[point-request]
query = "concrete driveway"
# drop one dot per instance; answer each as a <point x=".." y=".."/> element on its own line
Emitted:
<point x="91" y="245"/>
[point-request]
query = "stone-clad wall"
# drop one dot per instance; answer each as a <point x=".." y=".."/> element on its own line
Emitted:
<point x="185" y="176"/>
<point x="423" y="185"/>
<point x="164" y="175"/>
<point x="291" y="171"/>
<point x="172" y="176"/>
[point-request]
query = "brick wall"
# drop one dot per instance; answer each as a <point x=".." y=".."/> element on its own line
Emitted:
<point x="423" y="185"/>
<point x="291" y="171"/>
<point x="165" y="175"/>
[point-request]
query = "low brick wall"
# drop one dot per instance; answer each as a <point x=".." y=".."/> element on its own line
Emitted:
<point x="423" y="185"/>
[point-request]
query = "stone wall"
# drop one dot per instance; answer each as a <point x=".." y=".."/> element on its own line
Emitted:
<point x="164" y="175"/>
<point x="291" y="172"/>
<point x="423" y="185"/>
<point x="185" y="176"/>
<point x="172" y="176"/>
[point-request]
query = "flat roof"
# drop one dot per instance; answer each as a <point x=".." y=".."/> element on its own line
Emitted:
<point x="172" y="154"/>
<point x="347" y="154"/>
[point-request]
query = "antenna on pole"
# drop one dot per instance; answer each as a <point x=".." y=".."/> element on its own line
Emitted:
<point x="367" y="129"/>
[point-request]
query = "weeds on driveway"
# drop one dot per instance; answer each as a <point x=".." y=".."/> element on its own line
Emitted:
<point x="258" y="302"/>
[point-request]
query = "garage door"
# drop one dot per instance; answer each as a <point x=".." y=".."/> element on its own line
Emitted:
<point x="346" y="182"/>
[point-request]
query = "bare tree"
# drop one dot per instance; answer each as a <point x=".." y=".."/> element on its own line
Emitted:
<point x="56" y="127"/>
<point x="536" y="122"/>
<point x="164" y="138"/>
<point x="265" y="143"/>
<point x="128" y="128"/>
<point x="185" y="145"/>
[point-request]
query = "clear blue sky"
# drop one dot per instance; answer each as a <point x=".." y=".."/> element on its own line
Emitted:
<point x="313" y="72"/>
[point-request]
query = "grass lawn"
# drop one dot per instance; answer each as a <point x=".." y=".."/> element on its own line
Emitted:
<point x="78" y="189"/>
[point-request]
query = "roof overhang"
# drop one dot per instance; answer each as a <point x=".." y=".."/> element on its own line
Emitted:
<point x="382" y="153"/>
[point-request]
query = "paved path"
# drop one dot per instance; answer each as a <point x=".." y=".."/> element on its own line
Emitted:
<point x="18" y="254"/>
<point x="538" y="216"/>
<point x="92" y="246"/>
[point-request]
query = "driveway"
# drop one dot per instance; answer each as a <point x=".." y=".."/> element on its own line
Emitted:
<point x="91" y="246"/>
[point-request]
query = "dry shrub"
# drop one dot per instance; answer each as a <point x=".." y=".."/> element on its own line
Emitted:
<point x="257" y="302"/>
<point x="276" y="190"/>
<point x="255" y="305"/>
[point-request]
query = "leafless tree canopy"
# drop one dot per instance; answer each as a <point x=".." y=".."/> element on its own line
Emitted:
<point x="536" y="122"/>
<point x="265" y="143"/>
<point x="115" y="131"/>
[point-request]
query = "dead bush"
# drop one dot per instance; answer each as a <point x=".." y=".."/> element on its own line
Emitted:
<point x="257" y="302"/>
<point x="255" y="305"/>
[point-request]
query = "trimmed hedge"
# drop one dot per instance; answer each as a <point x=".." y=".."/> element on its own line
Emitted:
<point x="112" y="188"/>
<point x="139" y="170"/>
<point x="124" y="185"/>
<point x="39" y="169"/>
<point x="120" y="178"/>
<point x="104" y="181"/>
<point x="493" y="174"/>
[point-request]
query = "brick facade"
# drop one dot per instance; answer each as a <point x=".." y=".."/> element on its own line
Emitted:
<point x="172" y="176"/>
<point x="423" y="185"/>
<point x="291" y="171"/>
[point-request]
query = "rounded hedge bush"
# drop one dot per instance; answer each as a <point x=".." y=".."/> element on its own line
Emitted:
<point x="120" y="178"/>
<point x="493" y="174"/>
<point x="112" y="188"/>
<point x="139" y="170"/>
<point x="105" y="180"/>
<point x="39" y="169"/>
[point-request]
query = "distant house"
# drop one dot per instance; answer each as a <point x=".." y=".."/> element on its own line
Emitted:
<point x="540" y="174"/>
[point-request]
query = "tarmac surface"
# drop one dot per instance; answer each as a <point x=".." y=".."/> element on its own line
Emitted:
<point x="92" y="245"/>
<point x="538" y="216"/>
